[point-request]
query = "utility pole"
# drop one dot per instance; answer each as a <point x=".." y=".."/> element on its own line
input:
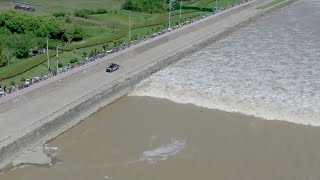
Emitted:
<point x="180" y="9"/>
<point x="169" y="14"/>
<point x="57" y="57"/>
<point x="129" y="27"/>
<point x="48" y="52"/>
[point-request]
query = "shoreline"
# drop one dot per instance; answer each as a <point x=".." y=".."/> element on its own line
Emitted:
<point x="66" y="117"/>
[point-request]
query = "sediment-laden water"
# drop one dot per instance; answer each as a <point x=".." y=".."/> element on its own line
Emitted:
<point x="270" y="70"/>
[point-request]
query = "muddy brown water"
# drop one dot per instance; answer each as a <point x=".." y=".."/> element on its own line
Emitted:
<point x="140" y="138"/>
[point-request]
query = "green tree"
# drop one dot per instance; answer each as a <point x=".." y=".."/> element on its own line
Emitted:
<point x="78" y="33"/>
<point x="21" y="44"/>
<point x="3" y="61"/>
<point x="147" y="6"/>
<point x="73" y="33"/>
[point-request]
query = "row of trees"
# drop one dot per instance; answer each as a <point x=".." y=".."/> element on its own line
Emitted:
<point x="146" y="6"/>
<point x="20" y="32"/>
<point x="38" y="26"/>
<point x="86" y="12"/>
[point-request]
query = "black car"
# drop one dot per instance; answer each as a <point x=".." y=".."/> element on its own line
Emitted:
<point x="113" y="67"/>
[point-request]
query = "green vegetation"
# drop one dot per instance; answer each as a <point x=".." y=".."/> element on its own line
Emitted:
<point x="38" y="26"/>
<point x="147" y="6"/>
<point x="21" y="32"/>
<point x="80" y="28"/>
<point x="270" y="4"/>
<point x="3" y="61"/>
<point x="85" y="13"/>
<point x="59" y="14"/>
<point x="74" y="60"/>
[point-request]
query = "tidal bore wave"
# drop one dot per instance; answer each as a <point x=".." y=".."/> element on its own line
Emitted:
<point x="270" y="69"/>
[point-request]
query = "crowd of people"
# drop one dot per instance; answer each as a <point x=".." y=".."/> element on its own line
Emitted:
<point x="4" y="90"/>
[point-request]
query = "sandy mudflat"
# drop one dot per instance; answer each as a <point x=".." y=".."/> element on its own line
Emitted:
<point x="140" y="138"/>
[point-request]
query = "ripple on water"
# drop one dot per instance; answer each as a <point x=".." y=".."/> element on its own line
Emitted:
<point x="163" y="152"/>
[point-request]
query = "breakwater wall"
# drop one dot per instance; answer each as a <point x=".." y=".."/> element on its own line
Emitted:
<point x="71" y="114"/>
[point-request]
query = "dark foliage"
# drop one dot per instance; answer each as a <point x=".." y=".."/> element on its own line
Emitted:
<point x="147" y="6"/>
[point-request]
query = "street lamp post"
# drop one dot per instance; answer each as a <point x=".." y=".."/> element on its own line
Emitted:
<point x="129" y="27"/>
<point x="57" y="57"/>
<point x="180" y="9"/>
<point x="169" y="14"/>
<point x="48" y="53"/>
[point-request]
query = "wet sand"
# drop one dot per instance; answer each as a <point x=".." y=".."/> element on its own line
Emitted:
<point x="112" y="144"/>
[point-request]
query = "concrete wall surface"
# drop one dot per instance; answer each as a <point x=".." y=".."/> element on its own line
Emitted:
<point x="40" y="113"/>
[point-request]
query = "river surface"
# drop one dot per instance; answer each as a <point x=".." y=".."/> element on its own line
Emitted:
<point x="270" y="69"/>
<point x="244" y="108"/>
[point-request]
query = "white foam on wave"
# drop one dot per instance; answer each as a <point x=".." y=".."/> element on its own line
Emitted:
<point x="270" y="70"/>
<point x="164" y="151"/>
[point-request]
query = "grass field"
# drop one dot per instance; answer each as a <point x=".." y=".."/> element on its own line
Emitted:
<point x="100" y="29"/>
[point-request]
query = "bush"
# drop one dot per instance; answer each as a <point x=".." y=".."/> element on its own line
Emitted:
<point x="59" y="14"/>
<point x="13" y="83"/>
<point x="3" y="62"/>
<point x="73" y="33"/>
<point x="23" y="79"/>
<point x="60" y="65"/>
<point x="101" y="11"/>
<point x="84" y="13"/>
<point x="68" y="19"/>
<point x="73" y="60"/>
<point x="147" y="6"/>
<point x="84" y="54"/>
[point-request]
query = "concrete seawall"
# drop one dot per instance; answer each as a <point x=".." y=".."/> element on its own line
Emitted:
<point x="55" y="123"/>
